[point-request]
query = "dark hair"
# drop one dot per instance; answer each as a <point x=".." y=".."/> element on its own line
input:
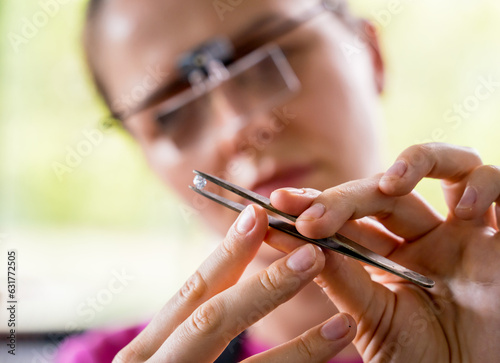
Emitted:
<point x="89" y="41"/>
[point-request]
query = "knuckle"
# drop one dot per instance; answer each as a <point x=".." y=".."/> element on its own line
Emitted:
<point x="347" y="198"/>
<point x="194" y="288"/>
<point x="206" y="319"/>
<point x="344" y="193"/>
<point x="340" y="196"/>
<point x="312" y="192"/>
<point x="489" y="170"/>
<point x="228" y="253"/>
<point x="474" y="155"/>
<point x="121" y="357"/>
<point x="304" y="348"/>
<point x="421" y="155"/>
<point x="127" y="355"/>
<point x="268" y="278"/>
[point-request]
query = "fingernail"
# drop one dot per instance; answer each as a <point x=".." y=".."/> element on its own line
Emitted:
<point x="398" y="169"/>
<point x="246" y="220"/>
<point x="468" y="199"/>
<point x="294" y="190"/>
<point x="314" y="212"/>
<point x="302" y="259"/>
<point x="336" y="328"/>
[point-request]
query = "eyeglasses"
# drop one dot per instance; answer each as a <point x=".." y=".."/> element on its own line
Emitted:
<point x="217" y="81"/>
<point x="259" y="81"/>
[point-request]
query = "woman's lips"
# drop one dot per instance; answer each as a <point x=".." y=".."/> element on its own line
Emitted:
<point x="290" y="177"/>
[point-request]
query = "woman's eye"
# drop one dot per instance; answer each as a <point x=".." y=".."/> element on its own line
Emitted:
<point x="185" y="113"/>
<point x="289" y="51"/>
<point x="169" y="118"/>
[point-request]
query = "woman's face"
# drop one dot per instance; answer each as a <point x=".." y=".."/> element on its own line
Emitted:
<point x="323" y="136"/>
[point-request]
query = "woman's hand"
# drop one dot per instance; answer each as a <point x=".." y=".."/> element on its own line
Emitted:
<point x="456" y="321"/>
<point x="212" y="307"/>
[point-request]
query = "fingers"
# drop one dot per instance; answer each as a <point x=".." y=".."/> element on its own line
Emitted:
<point x="408" y="216"/>
<point x="350" y="287"/>
<point x="469" y="187"/>
<point x="365" y="231"/>
<point x="435" y="160"/>
<point x="318" y="344"/>
<point x="352" y="290"/>
<point x="482" y="190"/>
<point x="214" y="324"/>
<point x="219" y="271"/>
<point x="452" y="164"/>
<point x="293" y="201"/>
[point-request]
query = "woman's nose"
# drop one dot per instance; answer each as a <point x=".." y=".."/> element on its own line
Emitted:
<point x="235" y="132"/>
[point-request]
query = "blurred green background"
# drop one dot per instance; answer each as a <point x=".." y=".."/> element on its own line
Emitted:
<point x="108" y="213"/>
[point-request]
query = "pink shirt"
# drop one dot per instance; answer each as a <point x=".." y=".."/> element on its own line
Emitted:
<point x="97" y="346"/>
<point x="100" y="346"/>
<point x="252" y="347"/>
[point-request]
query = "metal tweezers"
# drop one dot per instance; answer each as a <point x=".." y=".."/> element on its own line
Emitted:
<point x="337" y="242"/>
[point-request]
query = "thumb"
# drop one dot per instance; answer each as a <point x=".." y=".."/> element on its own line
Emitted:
<point x="350" y="287"/>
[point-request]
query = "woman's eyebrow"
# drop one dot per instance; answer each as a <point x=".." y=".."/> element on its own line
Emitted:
<point x="259" y="25"/>
<point x="267" y="28"/>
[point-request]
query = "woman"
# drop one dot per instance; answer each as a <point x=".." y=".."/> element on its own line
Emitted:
<point x="323" y="138"/>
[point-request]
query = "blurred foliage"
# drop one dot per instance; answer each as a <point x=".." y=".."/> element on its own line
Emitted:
<point x="49" y="106"/>
<point x="435" y="54"/>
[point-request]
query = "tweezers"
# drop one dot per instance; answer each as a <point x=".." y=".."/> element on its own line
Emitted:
<point x="337" y="242"/>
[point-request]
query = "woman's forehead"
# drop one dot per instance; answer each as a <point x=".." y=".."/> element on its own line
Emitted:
<point x="182" y="25"/>
<point x="196" y="14"/>
<point x="145" y="33"/>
